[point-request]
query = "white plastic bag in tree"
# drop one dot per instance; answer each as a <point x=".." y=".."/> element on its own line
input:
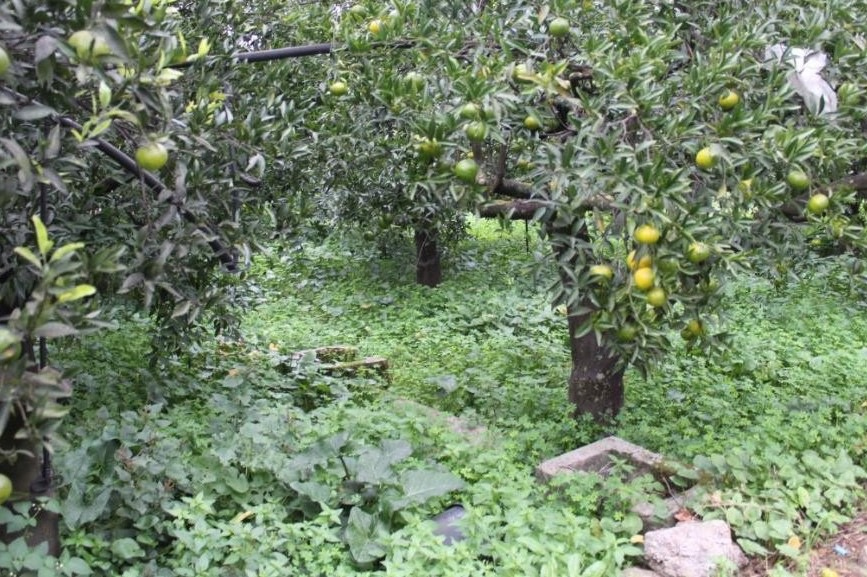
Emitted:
<point x="818" y="95"/>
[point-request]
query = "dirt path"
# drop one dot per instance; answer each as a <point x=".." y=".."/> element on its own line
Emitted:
<point x="845" y="553"/>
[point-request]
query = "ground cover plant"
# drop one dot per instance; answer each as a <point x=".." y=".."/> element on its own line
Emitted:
<point x="233" y="460"/>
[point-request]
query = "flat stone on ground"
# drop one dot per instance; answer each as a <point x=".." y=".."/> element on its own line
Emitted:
<point x="693" y="549"/>
<point x="596" y="458"/>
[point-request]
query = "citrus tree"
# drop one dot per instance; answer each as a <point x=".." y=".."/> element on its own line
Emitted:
<point x="660" y="145"/>
<point x="104" y="157"/>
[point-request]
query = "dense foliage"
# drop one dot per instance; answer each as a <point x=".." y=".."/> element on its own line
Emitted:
<point x="209" y="476"/>
<point x="147" y="147"/>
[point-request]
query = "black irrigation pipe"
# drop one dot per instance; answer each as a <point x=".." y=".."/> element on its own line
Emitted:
<point x="294" y="52"/>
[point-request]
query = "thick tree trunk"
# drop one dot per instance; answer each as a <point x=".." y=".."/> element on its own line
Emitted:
<point x="428" y="269"/>
<point x="596" y="381"/>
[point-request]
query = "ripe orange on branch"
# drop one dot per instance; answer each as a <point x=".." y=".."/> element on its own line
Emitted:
<point x="644" y="262"/>
<point x="705" y="158"/>
<point x="643" y="278"/>
<point x="647" y="234"/>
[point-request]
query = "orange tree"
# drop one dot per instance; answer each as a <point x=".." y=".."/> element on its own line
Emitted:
<point x="135" y="190"/>
<point x="660" y="146"/>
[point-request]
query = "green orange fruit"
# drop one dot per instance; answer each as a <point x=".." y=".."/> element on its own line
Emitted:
<point x="532" y="122"/>
<point x="5" y="488"/>
<point x="466" y="170"/>
<point x="476" y="131"/>
<point x="470" y="111"/>
<point x="818" y="203"/>
<point x="656" y="297"/>
<point x="698" y="252"/>
<point x="798" y="180"/>
<point x="729" y="99"/>
<point x="338" y="88"/>
<point x="88" y="45"/>
<point x="601" y="271"/>
<point x="151" y="156"/>
<point x="558" y="28"/>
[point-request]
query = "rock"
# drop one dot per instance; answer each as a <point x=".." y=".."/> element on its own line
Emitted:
<point x="448" y="524"/>
<point x="596" y="458"/>
<point x="638" y="572"/>
<point x="693" y="549"/>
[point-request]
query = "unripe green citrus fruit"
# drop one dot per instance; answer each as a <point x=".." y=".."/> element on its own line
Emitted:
<point x="601" y="271"/>
<point x="152" y="156"/>
<point x="558" y="28"/>
<point x="656" y="297"/>
<point x="466" y="170"/>
<point x="338" y="88"/>
<point x="476" y="131"/>
<point x="798" y="180"/>
<point x="729" y="100"/>
<point x="818" y="203"/>
<point x="698" y="252"/>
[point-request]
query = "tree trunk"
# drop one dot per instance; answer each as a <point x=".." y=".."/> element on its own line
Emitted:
<point x="428" y="269"/>
<point x="28" y="483"/>
<point x="596" y="381"/>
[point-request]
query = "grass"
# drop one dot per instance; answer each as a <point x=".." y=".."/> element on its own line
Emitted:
<point x="785" y="405"/>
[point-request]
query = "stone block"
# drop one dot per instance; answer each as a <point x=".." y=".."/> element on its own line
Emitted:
<point x="596" y="457"/>
<point x="692" y="549"/>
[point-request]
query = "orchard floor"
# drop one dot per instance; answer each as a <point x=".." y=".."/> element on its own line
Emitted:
<point x="845" y="553"/>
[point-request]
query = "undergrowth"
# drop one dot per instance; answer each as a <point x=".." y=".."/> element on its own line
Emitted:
<point x="237" y="458"/>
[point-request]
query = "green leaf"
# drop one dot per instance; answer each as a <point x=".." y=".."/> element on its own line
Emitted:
<point x="127" y="549"/>
<point x="734" y="517"/>
<point x="28" y="255"/>
<point x="54" y="330"/>
<point x="420" y="485"/>
<point x="33" y="112"/>
<point x="76" y="566"/>
<point x="751" y="547"/>
<point x="66" y="250"/>
<point x="42" y="241"/>
<point x="374" y="464"/>
<point x="363" y="534"/>
<point x="77" y="292"/>
<point x="316" y="492"/>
